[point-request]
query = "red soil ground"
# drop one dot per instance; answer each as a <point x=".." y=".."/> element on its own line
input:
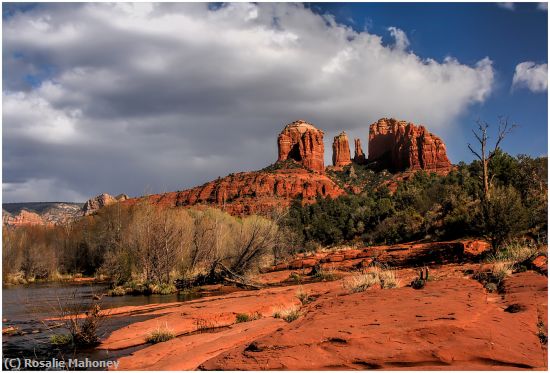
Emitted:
<point x="452" y="323"/>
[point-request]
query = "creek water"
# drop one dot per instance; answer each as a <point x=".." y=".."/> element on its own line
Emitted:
<point x="26" y="308"/>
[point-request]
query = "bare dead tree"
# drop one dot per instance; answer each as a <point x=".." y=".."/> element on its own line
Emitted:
<point x="484" y="154"/>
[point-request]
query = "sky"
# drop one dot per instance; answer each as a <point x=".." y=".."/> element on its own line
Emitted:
<point x="148" y="98"/>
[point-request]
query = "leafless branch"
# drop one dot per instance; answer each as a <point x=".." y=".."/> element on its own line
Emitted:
<point x="473" y="151"/>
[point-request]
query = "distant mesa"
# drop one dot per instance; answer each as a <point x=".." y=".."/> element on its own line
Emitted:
<point x="39" y="213"/>
<point x="302" y="142"/>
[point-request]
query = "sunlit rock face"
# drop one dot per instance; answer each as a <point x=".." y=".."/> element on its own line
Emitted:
<point x="302" y="142"/>
<point x="400" y="145"/>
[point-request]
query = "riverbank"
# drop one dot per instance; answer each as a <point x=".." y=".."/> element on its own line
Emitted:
<point x="14" y="279"/>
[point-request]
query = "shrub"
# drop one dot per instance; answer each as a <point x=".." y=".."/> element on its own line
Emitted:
<point x="515" y="252"/>
<point x="204" y="325"/>
<point x="80" y="318"/>
<point x="86" y="333"/>
<point x="116" y="292"/>
<point x="543" y="337"/>
<point x="504" y="215"/>
<point x="17" y="278"/>
<point x="501" y="270"/>
<point x="291" y="315"/>
<point x="162" y="289"/>
<point x="60" y="339"/>
<point x="245" y="317"/>
<point x="242" y="317"/>
<point x="295" y="277"/>
<point x="322" y="274"/>
<point x="160" y="334"/>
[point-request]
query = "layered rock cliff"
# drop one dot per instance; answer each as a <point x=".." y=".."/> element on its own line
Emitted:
<point x="399" y="146"/>
<point x="340" y="150"/>
<point x="254" y="192"/>
<point x="302" y="142"/>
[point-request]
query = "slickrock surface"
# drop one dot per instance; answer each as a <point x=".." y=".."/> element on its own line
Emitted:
<point x="340" y="150"/>
<point x="302" y="142"/>
<point x="452" y="323"/>
<point x="400" y="145"/>
<point x="211" y="312"/>
<point x="189" y="352"/>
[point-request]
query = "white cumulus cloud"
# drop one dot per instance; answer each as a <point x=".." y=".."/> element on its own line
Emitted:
<point x="531" y="76"/>
<point x="161" y="97"/>
<point x="401" y="39"/>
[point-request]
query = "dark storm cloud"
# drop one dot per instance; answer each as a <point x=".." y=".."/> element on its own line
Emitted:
<point x="139" y="98"/>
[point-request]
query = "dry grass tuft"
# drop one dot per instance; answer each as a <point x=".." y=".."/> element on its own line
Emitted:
<point x="160" y="334"/>
<point x="304" y="296"/>
<point x="288" y="314"/>
<point x="386" y="278"/>
<point x="501" y="270"/>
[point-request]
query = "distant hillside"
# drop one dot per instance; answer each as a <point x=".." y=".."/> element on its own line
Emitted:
<point x="40" y="213"/>
<point x="38" y="207"/>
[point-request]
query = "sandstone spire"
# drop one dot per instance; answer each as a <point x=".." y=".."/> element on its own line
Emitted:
<point x="359" y="157"/>
<point x="340" y="150"/>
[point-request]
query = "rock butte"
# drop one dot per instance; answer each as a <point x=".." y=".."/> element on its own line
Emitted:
<point x="399" y="145"/>
<point x="302" y="142"/>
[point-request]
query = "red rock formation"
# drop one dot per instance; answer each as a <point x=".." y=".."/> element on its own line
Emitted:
<point x="359" y="157"/>
<point x="340" y="150"/>
<point x="253" y="192"/>
<point x="399" y="145"/>
<point x="302" y="142"/>
<point x="24" y="217"/>
<point x="102" y="200"/>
